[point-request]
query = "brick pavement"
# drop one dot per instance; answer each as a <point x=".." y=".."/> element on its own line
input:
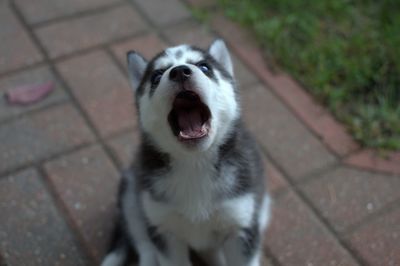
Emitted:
<point x="334" y="203"/>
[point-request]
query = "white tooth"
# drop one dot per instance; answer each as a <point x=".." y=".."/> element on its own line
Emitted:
<point x="182" y="134"/>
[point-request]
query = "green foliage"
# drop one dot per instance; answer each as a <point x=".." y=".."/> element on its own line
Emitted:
<point x="347" y="53"/>
<point x="200" y="14"/>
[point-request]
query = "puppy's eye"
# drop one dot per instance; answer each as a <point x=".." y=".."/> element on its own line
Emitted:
<point x="156" y="77"/>
<point x="204" y="67"/>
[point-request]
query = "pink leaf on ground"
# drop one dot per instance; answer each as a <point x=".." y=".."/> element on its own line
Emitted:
<point x="28" y="94"/>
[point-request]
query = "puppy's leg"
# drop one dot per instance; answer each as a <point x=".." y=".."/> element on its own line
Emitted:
<point x="213" y="257"/>
<point x="173" y="252"/>
<point x="243" y="249"/>
<point x="120" y="249"/>
<point x="118" y="255"/>
<point x="143" y="245"/>
<point x="137" y="226"/>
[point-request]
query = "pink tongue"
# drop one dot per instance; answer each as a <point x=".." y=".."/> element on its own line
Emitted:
<point x="190" y="123"/>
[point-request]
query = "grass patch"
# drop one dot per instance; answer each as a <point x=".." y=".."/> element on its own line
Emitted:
<point x="346" y="53"/>
<point x="200" y="14"/>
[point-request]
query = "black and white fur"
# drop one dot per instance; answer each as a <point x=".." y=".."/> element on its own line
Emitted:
<point x="207" y="196"/>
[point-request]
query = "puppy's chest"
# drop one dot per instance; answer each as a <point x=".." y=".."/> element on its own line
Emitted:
<point x="192" y="190"/>
<point x="195" y="209"/>
<point x="200" y="224"/>
<point x="199" y="234"/>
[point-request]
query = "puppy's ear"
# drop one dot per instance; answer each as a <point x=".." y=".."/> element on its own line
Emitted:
<point x="136" y="67"/>
<point x="219" y="51"/>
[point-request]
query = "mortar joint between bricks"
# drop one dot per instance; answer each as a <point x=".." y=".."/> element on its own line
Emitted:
<point x="76" y="15"/>
<point x="352" y="252"/>
<point x="62" y="208"/>
<point x="293" y="186"/>
<point x="153" y="27"/>
<point x="386" y="209"/>
<point x="97" y="47"/>
<point x="54" y="156"/>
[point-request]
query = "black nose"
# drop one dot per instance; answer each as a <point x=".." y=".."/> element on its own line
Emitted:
<point x="180" y="73"/>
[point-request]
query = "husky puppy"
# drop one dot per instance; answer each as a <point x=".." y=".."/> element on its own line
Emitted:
<point x="197" y="180"/>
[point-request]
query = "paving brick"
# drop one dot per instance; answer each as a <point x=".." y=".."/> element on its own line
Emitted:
<point x="36" y="75"/>
<point x="201" y="3"/>
<point x="378" y="242"/>
<point x="16" y="49"/>
<point x="42" y="10"/>
<point x="290" y="144"/>
<point x="124" y="147"/>
<point x="30" y="222"/>
<point x="266" y="262"/>
<point x="243" y="75"/>
<point x="163" y="12"/>
<point x="189" y="32"/>
<point x="315" y="116"/>
<point x="102" y="90"/>
<point x="148" y="46"/>
<point x="347" y="196"/>
<point x="86" y="181"/>
<point x="275" y="179"/>
<point x="373" y="160"/>
<point x="41" y="135"/>
<point x="296" y="237"/>
<point x="76" y="34"/>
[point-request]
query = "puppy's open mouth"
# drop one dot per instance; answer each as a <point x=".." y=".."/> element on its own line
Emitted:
<point x="190" y="117"/>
